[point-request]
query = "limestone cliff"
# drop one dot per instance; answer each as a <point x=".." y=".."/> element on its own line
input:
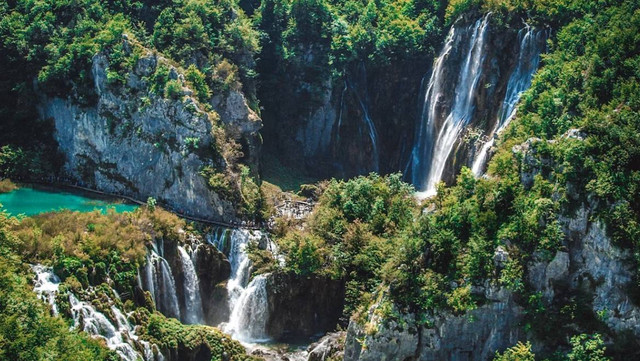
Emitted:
<point x="138" y="143"/>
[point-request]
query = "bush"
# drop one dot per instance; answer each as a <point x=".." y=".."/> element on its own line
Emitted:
<point x="173" y="90"/>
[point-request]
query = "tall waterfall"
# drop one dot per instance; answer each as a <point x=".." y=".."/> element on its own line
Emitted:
<point x="119" y="336"/>
<point x="434" y="151"/>
<point x="467" y="76"/>
<point x="530" y="41"/>
<point x="193" y="302"/>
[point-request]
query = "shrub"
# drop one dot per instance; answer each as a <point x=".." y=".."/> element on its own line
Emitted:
<point x="173" y="90"/>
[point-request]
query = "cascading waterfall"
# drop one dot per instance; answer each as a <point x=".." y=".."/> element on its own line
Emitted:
<point x="247" y="301"/>
<point x="250" y="312"/>
<point x="193" y="302"/>
<point x="449" y="104"/>
<point x="122" y="339"/>
<point x="530" y="41"/>
<point x="161" y="284"/>
<point x="435" y="151"/>
<point x="46" y="285"/>
<point x="98" y="325"/>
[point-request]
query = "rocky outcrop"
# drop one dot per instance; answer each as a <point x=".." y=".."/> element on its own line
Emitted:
<point x="328" y="347"/>
<point x="472" y="336"/>
<point x="133" y="142"/>
<point x="300" y="307"/>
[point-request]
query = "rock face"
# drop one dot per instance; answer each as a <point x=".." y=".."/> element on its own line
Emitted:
<point x="360" y="123"/>
<point x="330" y="346"/>
<point x="134" y="143"/>
<point x="300" y="307"/>
<point x="473" y="336"/>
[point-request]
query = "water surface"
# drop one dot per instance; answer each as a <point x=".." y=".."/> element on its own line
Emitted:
<point x="32" y="201"/>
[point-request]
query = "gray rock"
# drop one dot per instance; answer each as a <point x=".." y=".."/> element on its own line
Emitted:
<point x="473" y="336"/>
<point x="331" y="345"/>
<point x="127" y="147"/>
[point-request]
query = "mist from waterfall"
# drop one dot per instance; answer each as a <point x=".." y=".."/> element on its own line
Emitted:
<point x="530" y="41"/>
<point x="434" y="151"/>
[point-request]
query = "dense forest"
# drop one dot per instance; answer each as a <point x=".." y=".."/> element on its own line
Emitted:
<point x="571" y="151"/>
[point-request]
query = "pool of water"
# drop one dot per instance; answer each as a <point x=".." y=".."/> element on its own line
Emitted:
<point x="32" y="201"/>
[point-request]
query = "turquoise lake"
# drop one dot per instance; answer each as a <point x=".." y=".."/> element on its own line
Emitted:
<point x="31" y="201"/>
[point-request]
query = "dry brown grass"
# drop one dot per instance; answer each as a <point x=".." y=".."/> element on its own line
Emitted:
<point x="6" y="186"/>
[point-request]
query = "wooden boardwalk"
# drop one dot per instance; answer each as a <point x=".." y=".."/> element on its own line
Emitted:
<point x="213" y="222"/>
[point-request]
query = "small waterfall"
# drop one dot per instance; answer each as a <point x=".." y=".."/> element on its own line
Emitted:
<point x="371" y="128"/>
<point x="86" y="317"/>
<point x="193" y="303"/>
<point x="121" y="339"/>
<point x="219" y="238"/>
<point x="249" y="315"/>
<point x="435" y="151"/>
<point x="373" y="135"/>
<point x="161" y="284"/>
<point x="530" y="42"/>
<point x="46" y="285"/>
<point x="339" y="126"/>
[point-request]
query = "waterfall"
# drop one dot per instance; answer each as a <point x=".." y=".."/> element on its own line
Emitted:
<point x="240" y="263"/>
<point x="435" y="151"/>
<point x="451" y="97"/>
<point x="219" y="238"/>
<point x="372" y="135"/>
<point x="249" y="315"/>
<point x="344" y="90"/>
<point x="247" y="300"/>
<point x="46" y="285"/>
<point x="122" y="339"/>
<point x="91" y="321"/>
<point x="193" y="303"/>
<point x="519" y="81"/>
<point x="161" y="284"/>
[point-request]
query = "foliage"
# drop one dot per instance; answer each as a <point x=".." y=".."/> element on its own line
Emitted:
<point x="6" y="185"/>
<point x="587" y="348"/>
<point x="519" y="352"/>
